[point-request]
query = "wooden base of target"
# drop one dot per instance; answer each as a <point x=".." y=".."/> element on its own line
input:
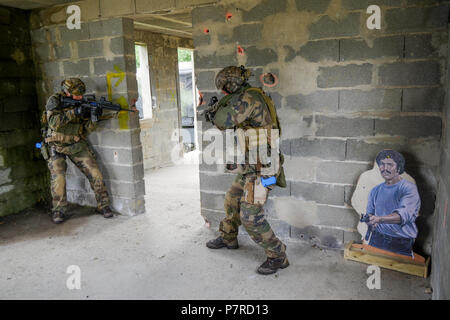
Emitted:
<point x="364" y="253"/>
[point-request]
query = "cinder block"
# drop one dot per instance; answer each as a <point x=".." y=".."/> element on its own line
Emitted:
<point x="216" y="182"/>
<point x="337" y="217"/>
<point x="206" y="80"/>
<point x="76" y="183"/>
<point x="326" y="27"/>
<point x="319" y="236"/>
<point x="213" y="13"/>
<point x="352" y="236"/>
<point x="348" y="194"/>
<point x="343" y="127"/>
<point x="326" y="101"/>
<point x="122" y="173"/>
<point x="213" y="201"/>
<point x="201" y="39"/>
<point x="318" y="192"/>
<point x="63" y="52"/>
<point x="68" y="35"/>
<point x="103" y="66"/>
<point x="423" y="99"/>
<point x="416" y="18"/>
<point x="412" y="127"/>
<point x="246" y="34"/>
<point x="373" y="100"/>
<point x="90" y="48"/>
<point x="260" y="57"/>
<point x="329" y="149"/>
<point x="408" y="74"/>
<point x="214" y="61"/>
<point x="316" y="51"/>
<point x="72" y="69"/>
<point x="340" y="172"/>
<point x="312" y="5"/>
<point x="264" y="9"/>
<point x="123" y="138"/>
<point x="121" y="156"/>
<point x="121" y="45"/>
<point x="281" y="228"/>
<point x="126" y="189"/>
<point x="358" y="49"/>
<point x="344" y="76"/>
<point x="420" y="46"/>
<point x="361" y="150"/>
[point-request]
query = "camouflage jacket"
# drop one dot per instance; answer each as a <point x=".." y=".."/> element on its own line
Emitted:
<point x="63" y="126"/>
<point x="246" y="109"/>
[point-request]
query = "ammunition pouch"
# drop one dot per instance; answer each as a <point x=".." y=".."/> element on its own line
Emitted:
<point x="62" y="138"/>
<point x="44" y="151"/>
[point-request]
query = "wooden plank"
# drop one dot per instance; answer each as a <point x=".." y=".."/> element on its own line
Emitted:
<point x="388" y="262"/>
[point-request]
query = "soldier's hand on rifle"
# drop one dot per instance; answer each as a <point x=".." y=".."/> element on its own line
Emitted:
<point x="133" y="106"/>
<point x="82" y="111"/>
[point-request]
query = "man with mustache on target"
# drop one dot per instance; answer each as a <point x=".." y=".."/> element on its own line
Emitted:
<point x="393" y="207"/>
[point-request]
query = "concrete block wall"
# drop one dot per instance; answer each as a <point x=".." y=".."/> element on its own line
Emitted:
<point x="23" y="173"/>
<point x="440" y="277"/>
<point x="100" y="49"/>
<point x="159" y="134"/>
<point x="344" y="93"/>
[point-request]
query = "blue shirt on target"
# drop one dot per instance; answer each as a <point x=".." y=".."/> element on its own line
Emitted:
<point x="402" y="198"/>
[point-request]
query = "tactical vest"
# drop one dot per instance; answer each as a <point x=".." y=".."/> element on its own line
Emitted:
<point x="260" y="137"/>
<point x="67" y="134"/>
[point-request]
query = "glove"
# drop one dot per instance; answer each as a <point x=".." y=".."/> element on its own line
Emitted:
<point x="209" y="116"/>
<point x="213" y="101"/>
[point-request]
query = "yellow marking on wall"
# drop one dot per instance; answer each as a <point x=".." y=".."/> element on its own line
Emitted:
<point x="123" y="115"/>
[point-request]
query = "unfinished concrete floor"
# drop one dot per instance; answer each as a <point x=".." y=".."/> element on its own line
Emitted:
<point x="162" y="255"/>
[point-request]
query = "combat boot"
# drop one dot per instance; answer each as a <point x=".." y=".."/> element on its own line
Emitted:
<point x="106" y="212"/>
<point x="219" y="243"/>
<point x="271" y="265"/>
<point x="58" y="217"/>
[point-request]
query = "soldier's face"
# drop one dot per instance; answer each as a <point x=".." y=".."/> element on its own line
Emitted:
<point x="74" y="97"/>
<point x="388" y="169"/>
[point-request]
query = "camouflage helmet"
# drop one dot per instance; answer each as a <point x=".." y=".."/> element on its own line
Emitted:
<point x="231" y="78"/>
<point x="74" y="86"/>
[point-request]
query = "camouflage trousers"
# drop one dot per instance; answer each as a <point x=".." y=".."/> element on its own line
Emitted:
<point x="84" y="158"/>
<point x="239" y="209"/>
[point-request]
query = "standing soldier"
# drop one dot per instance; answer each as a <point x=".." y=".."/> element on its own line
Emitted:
<point x="66" y="131"/>
<point x="248" y="109"/>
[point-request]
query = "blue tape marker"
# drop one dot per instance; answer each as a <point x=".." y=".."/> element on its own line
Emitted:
<point x="38" y="145"/>
<point x="269" y="181"/>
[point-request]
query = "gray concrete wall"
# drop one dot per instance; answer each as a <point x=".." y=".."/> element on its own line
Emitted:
<point x="101" y="49"/>
<point x="344" y="93"/>
<point x="23" y="173"/>
<point x="157" y="134"/>
<point x="441" y="231"/>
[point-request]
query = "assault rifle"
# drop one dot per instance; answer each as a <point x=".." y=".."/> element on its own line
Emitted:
<point x="94" y="109"/>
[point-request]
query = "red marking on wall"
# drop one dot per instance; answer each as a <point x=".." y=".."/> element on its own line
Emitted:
<point x="228" y="16"/>
<point x="206" y="30"/>
<point x="268" y="79"/>
<point x="200" y="99"/>
<point x="240" y="50"/>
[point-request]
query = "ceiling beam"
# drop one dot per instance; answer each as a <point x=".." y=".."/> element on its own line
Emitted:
<point x="152" y="26"/>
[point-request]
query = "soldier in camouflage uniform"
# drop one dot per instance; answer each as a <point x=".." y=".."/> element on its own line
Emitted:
<point x="66" y="138"/>
<point x="245" y="108"/>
